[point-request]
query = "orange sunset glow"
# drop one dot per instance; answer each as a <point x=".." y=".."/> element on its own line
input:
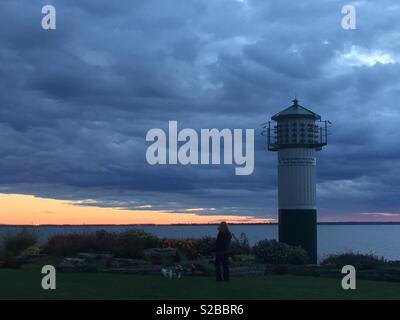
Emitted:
<point x="26" y="209"/>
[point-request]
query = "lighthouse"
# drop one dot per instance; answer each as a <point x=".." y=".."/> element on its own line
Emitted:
<point x="296" y="133"/>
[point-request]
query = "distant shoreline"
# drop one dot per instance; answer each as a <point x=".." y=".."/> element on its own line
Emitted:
<point x="190" y="224"/>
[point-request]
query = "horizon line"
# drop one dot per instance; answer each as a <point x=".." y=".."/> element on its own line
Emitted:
<point x="197" y="224"/>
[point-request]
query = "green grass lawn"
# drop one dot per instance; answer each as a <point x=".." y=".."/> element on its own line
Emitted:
<point x="26" y="284"/>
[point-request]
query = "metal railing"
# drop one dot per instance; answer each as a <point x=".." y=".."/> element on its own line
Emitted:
<point x="314" y="136"/>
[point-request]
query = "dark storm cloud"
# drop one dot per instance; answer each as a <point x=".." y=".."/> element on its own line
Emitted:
<point x="76" y="103"/>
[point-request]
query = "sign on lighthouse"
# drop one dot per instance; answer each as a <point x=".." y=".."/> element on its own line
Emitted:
<point x="296" y="133"/>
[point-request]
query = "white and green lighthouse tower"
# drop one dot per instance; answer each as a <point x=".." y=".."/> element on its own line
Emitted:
<point x="296" y="133"/>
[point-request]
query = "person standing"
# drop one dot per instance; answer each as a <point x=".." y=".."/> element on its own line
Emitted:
<point x="222" y="250"/>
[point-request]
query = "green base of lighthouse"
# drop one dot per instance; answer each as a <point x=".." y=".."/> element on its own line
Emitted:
<point x="299" y="228"/>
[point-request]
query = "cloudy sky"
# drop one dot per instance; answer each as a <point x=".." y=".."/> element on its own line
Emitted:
<point x="76" y="104"/>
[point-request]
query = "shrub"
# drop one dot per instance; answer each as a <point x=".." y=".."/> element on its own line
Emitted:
<point x="71" y="244"/>
<point x="30" y="252"/>
<point x="359" y="261"/>
<point x="195" y="248"/>
<point x="131" y="243"/>
<point x="274" y="252"/>
<point x="240" y="245"/>
<point x="192" y="248"/>
<point x="16" y="248"/>
<point x="14" y="245"/>
<point x="206" y="246"/>
<point x="127" y="244"/>
<point x="189" y="247"/>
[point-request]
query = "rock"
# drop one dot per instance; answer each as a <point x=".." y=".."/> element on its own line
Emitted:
<point x="160" y="255"/>
<point x="124" y="263"/>
<point x="74" y="260"/>
<point x="164" y="252"/>
<point x="76" y="265"/>
<point x="96" y="255"/>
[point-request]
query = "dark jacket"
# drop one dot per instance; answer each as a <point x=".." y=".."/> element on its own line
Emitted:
<point x="223" y="243"/>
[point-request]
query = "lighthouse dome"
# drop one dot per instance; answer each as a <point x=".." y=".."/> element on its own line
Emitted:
<point x="296" y="111"/>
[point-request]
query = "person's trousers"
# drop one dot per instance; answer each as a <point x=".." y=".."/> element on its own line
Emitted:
<point x="222" y="267"/>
